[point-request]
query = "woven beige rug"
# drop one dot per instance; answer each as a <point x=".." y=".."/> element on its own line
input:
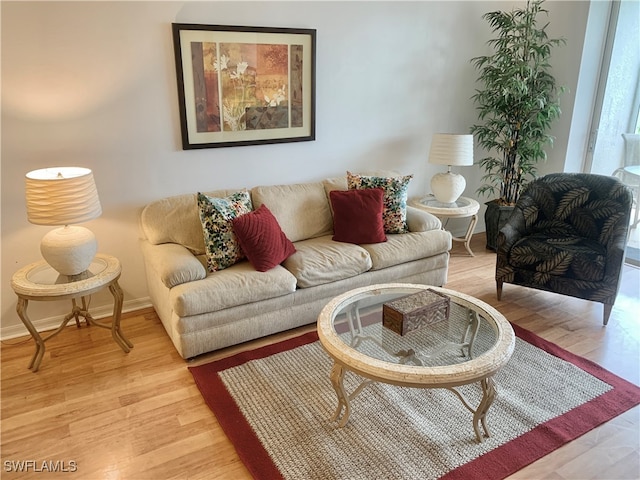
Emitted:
<point x="275" y="405"/>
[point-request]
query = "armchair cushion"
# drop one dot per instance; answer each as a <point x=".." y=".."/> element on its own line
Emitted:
<point x="567" y="255"/>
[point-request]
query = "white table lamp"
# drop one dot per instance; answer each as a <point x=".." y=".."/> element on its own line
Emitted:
<point x="451" y="150"/>
<point x="64" y="196"/>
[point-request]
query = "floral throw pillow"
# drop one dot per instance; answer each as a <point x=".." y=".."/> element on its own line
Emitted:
<point x="216" y="216"/>
<point x="394" y="212"/>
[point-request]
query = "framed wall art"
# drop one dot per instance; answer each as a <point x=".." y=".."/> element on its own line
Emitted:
<point x="244" y="85"/>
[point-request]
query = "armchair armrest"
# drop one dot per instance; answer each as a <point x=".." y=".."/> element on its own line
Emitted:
<point x="615" y="243"/>
<point x="421" y="221"/>
<point x="173" y="263"/>
<point x="507" y="237"/>
<point x="521" y="223"/>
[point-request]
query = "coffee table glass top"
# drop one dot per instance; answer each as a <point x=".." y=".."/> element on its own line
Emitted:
<point x="465" y="335"/>
<point x="435" y="356"/>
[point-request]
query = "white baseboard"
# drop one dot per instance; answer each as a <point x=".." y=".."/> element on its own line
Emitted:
<point x="51" y="323"/>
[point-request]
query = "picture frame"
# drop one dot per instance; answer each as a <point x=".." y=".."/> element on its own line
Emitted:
<point x="242" y="85"/>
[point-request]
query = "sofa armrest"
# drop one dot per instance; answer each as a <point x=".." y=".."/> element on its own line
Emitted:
<point x="173" y="263"/>
<point x="421" y="221"/>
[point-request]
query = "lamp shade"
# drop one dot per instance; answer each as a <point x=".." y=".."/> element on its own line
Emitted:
<point x="61" y="196"/>
<point x="451" y="149"/>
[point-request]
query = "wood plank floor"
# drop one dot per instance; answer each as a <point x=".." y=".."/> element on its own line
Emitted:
<point x="140" y="416"/>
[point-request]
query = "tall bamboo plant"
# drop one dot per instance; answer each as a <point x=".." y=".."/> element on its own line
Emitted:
<point x="517" y="102"/>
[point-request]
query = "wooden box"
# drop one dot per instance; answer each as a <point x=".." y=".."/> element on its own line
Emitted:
<point x="415" y="311"/>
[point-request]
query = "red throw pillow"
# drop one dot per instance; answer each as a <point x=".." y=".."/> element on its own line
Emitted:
<point x="357" y="215"/>
<point x="261" y="239"/>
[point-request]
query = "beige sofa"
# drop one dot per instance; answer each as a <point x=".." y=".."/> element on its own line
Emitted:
<point x="204" y="311"/>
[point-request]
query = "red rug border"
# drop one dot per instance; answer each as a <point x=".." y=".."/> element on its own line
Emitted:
<point x="549" y="436"/>
<point x="496" y="464"/>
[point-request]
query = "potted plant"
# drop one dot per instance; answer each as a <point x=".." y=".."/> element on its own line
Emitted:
<point x="516" y="104"/>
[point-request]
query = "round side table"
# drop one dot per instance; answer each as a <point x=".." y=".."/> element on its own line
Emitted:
<point x="39" y="282"/>
<point x="461" y="208"/>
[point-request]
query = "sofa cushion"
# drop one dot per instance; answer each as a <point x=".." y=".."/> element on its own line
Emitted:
<point x="321" y="260"/>
<point x="302" y="210"/>
<point x="357" y="215"/>
<point x="406" y="247"/>
<point x="261" y="239"/>
<point x="216" y="214"/>
<point x="396" y="190"/>
<point x="176" y="220"/>
<point x="236" y="285"/>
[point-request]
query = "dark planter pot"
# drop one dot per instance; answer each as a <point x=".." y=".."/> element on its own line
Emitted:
<point x="495" y="217"/>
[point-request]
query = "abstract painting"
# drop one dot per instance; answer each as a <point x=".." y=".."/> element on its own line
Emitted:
<point x="244" y="85"/>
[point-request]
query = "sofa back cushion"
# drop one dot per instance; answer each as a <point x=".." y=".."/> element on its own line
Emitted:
<point x="302" y="210"/>
<point x="335" y="183"/>
<point x="176" y="220"/>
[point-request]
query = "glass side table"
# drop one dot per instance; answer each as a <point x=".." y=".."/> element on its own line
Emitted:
<point x="39" y="282"/>
<point x="461" y="208"/>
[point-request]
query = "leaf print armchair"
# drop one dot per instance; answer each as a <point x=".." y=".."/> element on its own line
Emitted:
<point x="567" y="235"/>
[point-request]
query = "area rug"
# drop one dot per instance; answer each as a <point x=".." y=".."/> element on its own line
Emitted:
<point x="275" y="405"/>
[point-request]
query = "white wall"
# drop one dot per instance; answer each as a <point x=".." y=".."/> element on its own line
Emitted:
<point x="93" y="84"/>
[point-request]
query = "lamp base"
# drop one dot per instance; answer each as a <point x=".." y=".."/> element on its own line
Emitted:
<point x="69" y="250"/>
<point x="447" y="187"/>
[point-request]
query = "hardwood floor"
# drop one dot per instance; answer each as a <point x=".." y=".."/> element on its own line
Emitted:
<point x="140" y="416"/>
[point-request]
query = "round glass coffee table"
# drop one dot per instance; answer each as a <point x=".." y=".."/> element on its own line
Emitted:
<point x="469" y="346"/>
